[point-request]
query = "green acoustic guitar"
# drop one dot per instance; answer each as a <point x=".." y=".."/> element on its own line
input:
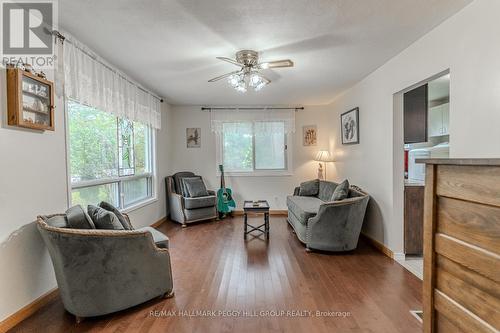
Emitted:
<point x="225" y="202"/>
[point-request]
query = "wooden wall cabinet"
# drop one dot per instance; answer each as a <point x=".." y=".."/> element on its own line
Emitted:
<point x="414" y="219"/>
<point x="462" y="245"/>
<point x="30" y="100"/>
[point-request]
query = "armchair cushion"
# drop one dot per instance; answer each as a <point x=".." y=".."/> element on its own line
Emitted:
<point x="104" y="219"/>
<point x="110" y="208"/>
<point x="178" y="181"/>
<point x="194" y="187"/>
<point x="200" y="202"/>
<point x="159" y="238"/>
<point x="341" y="191"/>
<point x="309" y="188"/>
<point x="77" y="218"/>
<point x="303" y="207"/>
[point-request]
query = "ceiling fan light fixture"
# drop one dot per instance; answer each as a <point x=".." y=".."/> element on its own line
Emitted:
<point x="249" y="75"/>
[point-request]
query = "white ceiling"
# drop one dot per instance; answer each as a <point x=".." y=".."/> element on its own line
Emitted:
<point x="170" y="46"/>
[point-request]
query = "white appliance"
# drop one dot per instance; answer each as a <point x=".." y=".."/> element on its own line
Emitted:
<point x="416" y="171"/>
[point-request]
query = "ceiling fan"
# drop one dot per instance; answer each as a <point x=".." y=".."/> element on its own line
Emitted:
<point x="248" y="75"/>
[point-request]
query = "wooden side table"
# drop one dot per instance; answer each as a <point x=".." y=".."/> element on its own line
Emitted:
<point x="259" y="207"/>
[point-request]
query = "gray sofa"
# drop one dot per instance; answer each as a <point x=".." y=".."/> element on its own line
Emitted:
<point x="103" y="271"/>
<point x="327" y="225"/>
<point x="184" y="209"/>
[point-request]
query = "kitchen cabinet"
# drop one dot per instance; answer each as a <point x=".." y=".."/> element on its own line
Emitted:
<point x="414" y="219"/>
<point x="438" y="120"/>
<point x="415" y="109"/>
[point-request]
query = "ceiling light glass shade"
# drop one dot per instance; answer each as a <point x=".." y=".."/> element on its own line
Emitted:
<point x="237" y="81"/>
<point x="255" y="80"/>
<point x="233" y="80"/>
<point x="261" y="85"/>
<point x="242" y="81"/>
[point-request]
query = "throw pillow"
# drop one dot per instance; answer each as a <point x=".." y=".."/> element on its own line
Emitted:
<point x="195" y="187"/>
<point x="104" y="219"/>
<point x="310" y="188"/>
<point x="184" y="191"/>
<point x="123" y="220"/>
<point x="341" y="191"/>
<point x="78" y="218"/>
<point x="57" y="221"/>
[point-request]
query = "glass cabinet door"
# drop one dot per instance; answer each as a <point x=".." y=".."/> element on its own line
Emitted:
<point x="36" y="102"/>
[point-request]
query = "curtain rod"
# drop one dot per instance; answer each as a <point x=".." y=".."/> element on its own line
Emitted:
<point x="63" y="39"/>
<point x="206" y="108"/>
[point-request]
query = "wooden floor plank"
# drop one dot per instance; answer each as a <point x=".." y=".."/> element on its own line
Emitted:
<point x="215" y="269"/>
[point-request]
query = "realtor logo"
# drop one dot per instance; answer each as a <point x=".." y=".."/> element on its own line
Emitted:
<point x="27" y="32"/>
<point x="27" y="27"/>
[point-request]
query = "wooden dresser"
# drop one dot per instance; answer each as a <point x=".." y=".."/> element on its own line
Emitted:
<point x="462" y="245"/>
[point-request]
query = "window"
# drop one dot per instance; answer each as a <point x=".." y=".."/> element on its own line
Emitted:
<point x="110" y="158"/>
<point x="254" y="148"/>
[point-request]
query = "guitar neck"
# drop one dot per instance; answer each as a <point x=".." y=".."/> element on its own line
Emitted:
<point x="222" y="182"/>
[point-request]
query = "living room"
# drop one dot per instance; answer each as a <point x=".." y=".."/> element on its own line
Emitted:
<point x="134" y="98"/>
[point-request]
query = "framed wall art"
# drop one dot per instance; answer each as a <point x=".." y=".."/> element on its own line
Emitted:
<point x="349" y="122"/>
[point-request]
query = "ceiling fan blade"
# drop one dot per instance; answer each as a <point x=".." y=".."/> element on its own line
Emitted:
<point x="266" y="80"/>
<point x="231" y="61"/>
<point x="276" y="64"/>
<point x="223" y="76"/>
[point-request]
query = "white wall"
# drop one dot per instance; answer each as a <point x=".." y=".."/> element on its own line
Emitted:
<point x="274" y="189"/>
<point x="467" y="45"/>
<point x="33" y="182"/>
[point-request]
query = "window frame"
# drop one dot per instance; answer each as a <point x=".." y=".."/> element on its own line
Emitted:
<point x="119" y="180"/>
<point x="286" y="171"/>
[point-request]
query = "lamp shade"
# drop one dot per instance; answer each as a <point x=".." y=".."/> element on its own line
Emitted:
<point x="323" y="156"/>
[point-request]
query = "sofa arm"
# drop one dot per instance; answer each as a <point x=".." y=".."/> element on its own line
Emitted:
<point x="296" y="191"/>
<point x="103" y="271"/>
<point x="337" y="225"/>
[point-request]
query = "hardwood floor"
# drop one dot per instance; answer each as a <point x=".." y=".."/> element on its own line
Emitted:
<point x="215" y="269"/>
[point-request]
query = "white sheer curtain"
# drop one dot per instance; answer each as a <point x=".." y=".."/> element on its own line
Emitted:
<point x="219" y="117"/>
<point x="90" y="82"/>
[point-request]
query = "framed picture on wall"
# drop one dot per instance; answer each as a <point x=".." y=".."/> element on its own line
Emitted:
<point x="349" y="122"/>
<point x="309" y="135"/>
<point x="193" y="137"/>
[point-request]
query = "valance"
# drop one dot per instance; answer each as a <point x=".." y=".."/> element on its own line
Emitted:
<point x="89" y="80"/>
<point x="219" y="117"/>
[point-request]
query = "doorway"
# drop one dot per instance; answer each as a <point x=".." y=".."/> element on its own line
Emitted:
<point x="421" y="130"/>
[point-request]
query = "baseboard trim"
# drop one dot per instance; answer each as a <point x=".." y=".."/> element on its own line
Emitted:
<point x="41" y="301"/>
<point x="272" y="212"/>
<point x="379" y="246"/>
<point x="28" y="310"/>
<point x="159" y="222"/>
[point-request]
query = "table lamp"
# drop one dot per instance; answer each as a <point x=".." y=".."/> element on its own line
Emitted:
<point x="323" y="156"/>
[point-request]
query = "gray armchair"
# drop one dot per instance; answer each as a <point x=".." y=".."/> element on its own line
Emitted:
<point x="103" y="271"/>
<point x="184" y="209"/>
<point x="328" y="225"/>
